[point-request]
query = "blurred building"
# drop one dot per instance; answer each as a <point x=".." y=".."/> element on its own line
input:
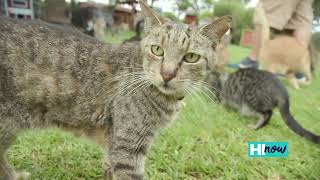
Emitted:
<point x="55" y="11"/>
<point x="123" y="16"/>
<point x="247" y="38"/>
<point x="19" y="9"/>
<point x="119" y="15"/>
<point x="191" y="17"/>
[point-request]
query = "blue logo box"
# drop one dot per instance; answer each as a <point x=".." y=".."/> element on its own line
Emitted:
<point x="268" y="149"/>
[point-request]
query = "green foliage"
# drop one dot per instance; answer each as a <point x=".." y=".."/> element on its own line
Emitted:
<point x="184" y="4"/>
<point x="316" y="40"/>
<point x="242" y="17"/>
<point x="316" y="8"/>
<point x="205" y="14"/>
<point x="37" y="5"/>
<point x="196" y="5"/>
<point x="171" y="16"/>
<point x="119" y="37"/>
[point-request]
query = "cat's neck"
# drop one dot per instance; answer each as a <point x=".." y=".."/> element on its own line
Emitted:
<point x="166" y="102"/>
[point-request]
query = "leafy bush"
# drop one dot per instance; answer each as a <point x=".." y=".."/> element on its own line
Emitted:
<point x="171" y="16"/>
<point x="205" y="14"/>
<point x="316" y="40"/>
<point x="242" y="16"/>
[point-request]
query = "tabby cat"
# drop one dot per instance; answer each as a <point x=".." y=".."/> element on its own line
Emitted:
<point x="256" y="93"/>
<point x="124" y="95"/>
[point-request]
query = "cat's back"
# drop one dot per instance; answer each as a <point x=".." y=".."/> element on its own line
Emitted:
<point x="37" y="28"/>
<point x="49" y="63"/>
<point x="34" y="39"/>
<point x="256" y="81"/>
<point x="257" y="89"/>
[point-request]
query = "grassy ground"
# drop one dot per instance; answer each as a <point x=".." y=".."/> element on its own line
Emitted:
<point x="206" y="142"/>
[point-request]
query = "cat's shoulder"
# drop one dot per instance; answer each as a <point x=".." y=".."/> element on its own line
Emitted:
<point x="128" y="54"/>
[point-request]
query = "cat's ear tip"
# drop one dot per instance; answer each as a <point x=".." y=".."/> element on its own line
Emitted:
<point x="227" y="18"/>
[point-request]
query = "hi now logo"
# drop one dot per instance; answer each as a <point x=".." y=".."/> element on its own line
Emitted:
<point x="268" y="149"/>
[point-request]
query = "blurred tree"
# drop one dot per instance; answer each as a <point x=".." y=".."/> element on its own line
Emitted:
<point x="171" y="16"/>
<point x="196" y="5"/>
<point x="73" y="4"/>
<point x="316" y="9"/>
<point x="152" y="2"/>
<point x="242" y="16"/>
<point x="205" y="14"/>
<point x="37" y="6"/>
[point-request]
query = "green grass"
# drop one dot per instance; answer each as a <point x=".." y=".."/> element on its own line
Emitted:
<point x="205" y="142"/>
<point x="118" y="38"/>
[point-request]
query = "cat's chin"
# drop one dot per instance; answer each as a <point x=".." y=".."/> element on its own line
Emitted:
<point x="170" y="91"/>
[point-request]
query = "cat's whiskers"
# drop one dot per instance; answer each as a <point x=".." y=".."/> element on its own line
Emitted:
<point x="124" y="76"/>
<point x="209" y="88"/>
<point x="144" y="82"/>
<point x="201" y="87"/>
<point x="206" y="91"/>
<point x="194" y="97"/>
<point x="128" y="85"/>
<point x="137" y="81"/>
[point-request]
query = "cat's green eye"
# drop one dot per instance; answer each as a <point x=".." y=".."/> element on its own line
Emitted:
<point x="157" y="50"/>
<point x="191" y="58"/>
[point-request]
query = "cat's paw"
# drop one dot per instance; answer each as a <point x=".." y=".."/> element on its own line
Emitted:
<point x="22" y="175"/>
<point x="108" y="174"/>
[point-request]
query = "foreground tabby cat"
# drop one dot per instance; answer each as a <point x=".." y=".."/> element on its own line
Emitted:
<point x="49" y="76"/>
<point x="256" y="93"/>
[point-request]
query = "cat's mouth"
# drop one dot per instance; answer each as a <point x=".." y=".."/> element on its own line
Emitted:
<point x="168" y="88"/>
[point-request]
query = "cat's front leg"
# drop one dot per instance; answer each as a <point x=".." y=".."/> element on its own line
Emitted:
<point x="127" y="159"/>
<point x="130" y="142"/>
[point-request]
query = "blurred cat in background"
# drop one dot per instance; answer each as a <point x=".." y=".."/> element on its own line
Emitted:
<point x="255" y="93"/>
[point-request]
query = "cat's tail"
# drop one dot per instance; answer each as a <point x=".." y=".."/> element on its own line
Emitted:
<point x="294" y="125"/>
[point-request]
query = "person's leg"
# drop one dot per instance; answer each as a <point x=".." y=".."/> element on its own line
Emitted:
<point x="256" y="42"/>
<point x="252" y="59"/>
<point x="268" y="13"/>
<point x="301" y="24"/>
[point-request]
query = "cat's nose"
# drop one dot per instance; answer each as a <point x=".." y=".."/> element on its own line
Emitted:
<point x="168" y="75"/>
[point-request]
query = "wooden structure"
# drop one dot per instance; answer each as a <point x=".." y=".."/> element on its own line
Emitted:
<point x="55" y="11"/>
<point x="125" y="12"/>
<point x="19" y="9"/>
<point x="123" y="16"/>
<point x="247" y="38"/>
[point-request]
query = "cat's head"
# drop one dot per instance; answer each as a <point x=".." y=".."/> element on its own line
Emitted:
<point x="176" y="57"/>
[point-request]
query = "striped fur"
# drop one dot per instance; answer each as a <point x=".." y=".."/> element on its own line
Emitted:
<point x="51" y="76"/>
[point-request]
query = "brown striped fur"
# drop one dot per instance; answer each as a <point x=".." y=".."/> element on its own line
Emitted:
<point x="50" y="76"/>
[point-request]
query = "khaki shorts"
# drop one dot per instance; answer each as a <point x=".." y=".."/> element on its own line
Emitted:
<point x="287" y="14"/>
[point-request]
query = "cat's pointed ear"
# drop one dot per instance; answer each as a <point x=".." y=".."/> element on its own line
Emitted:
<point x="151" y="19"/>
<point x="217" y="28"/>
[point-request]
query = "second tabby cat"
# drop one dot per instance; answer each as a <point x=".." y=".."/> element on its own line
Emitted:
<point x="256" y="93"/>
